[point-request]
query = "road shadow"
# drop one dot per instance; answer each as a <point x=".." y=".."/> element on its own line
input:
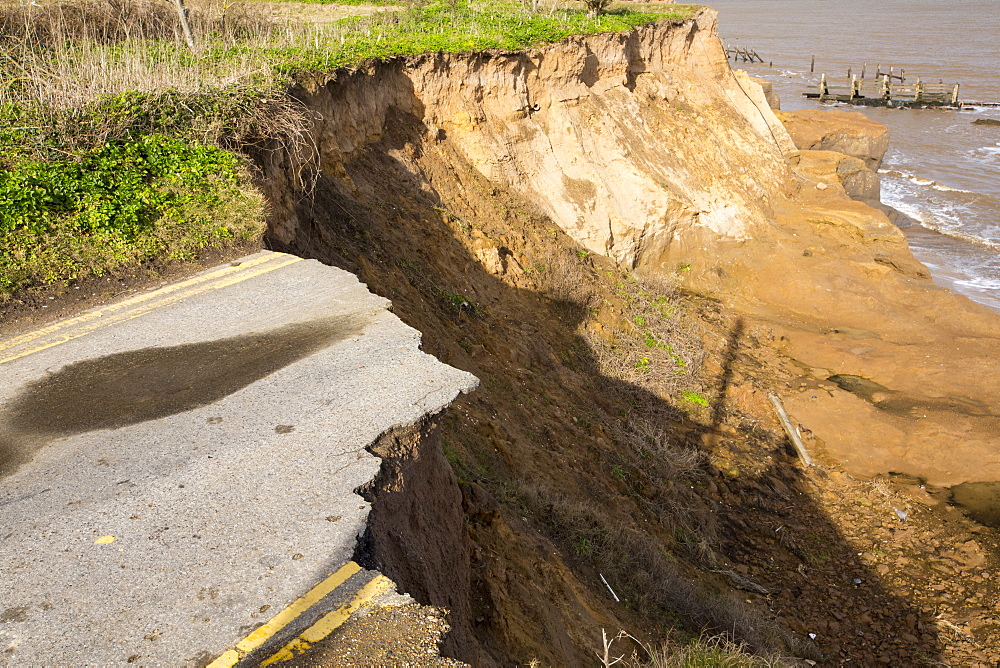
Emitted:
<point x="136" y="386"/>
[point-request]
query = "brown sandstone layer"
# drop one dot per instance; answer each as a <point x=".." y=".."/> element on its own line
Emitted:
<point x="847" y="132"/>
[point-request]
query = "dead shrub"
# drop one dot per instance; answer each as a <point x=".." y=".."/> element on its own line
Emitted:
<point x="566" y="277"/>
<point x="116" y="21"/>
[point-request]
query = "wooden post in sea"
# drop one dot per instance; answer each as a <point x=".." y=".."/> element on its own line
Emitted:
<point x="855" y="87"/>
<point x="822" y="87"/>
<point x="918" y="91"/>
<point x="863" y="68"/>
<point x="954" y="95"/>
<point x="812" y="66"/>
<point x="848" y="72"/>
<point x="886" y="90"/>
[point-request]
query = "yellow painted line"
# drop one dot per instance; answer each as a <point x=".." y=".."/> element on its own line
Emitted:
<point x="148" y="308"/>
<point x="265" y="632"/>
<point x="329" y="622"/>
<point x="138" y="299"/>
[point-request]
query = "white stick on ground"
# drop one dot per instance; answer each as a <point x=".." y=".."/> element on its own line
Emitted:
<point x="617" y="600"/>
<point x="791" y="431"/>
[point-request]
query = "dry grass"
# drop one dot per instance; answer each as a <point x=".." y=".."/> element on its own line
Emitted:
<point x="653" y="357"/>
<point x="645" y="574"/>
<point x="63" y="56"/>
<point x="658" y="349"/>
<point x="702" y="652"/>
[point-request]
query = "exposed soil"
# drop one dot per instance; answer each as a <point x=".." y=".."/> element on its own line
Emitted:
<point x="400" y="636"/>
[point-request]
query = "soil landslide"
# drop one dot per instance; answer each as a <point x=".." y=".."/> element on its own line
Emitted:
<point x="525" y="211"/>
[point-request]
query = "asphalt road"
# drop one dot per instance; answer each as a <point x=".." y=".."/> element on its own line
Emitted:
<point x="178" y="469"/>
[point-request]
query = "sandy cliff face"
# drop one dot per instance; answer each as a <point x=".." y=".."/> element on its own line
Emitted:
<point x="646" y="148"/>
<point x="637" y="145"/>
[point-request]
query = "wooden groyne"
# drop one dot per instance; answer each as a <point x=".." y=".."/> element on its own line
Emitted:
<point x="885" y="89"/>
<point x="743" y="53"/>
<point x="886" y="92"/>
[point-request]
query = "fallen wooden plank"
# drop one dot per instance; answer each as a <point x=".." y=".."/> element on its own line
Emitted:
<point x="792" y="432"/>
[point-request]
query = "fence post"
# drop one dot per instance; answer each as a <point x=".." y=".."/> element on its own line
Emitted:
<point x="919" y="92"/>
<point x="855" y="87"/>
<point x="182" y="13"/>
<point x="822" y="87"/>
<point x="886" y="89"/>
<point x="954" y="95"/>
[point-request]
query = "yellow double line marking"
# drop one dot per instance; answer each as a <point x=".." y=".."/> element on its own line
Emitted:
<point x="321" y="629"/>
<point x="137" y="306"/>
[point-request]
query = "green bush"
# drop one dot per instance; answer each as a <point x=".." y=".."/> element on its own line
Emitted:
<point x="122" y="202"/>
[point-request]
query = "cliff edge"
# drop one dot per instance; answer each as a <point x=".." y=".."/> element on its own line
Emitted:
<point x="496" y="198"/>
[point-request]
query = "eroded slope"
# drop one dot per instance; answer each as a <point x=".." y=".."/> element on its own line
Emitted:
<point x="478" y="192"/>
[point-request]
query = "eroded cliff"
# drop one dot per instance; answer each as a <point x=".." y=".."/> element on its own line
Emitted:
<point x="476" y="191"/>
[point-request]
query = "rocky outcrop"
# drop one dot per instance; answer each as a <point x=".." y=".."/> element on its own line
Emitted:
<point x="847" y="132"/>
<point x="771" y="95"/>
<point x="837" y="169"/>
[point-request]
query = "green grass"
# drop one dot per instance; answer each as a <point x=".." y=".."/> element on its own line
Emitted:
<point x="467" y="27"/>
<point x="349" y="3"/>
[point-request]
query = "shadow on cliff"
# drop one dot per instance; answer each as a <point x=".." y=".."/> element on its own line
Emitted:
<point x="568" y="478"/>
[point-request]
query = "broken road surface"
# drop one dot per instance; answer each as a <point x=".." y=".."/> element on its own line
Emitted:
<point x="177" y="470"/>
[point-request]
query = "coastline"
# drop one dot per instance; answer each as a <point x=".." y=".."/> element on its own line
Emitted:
<point x="518" y="208"/>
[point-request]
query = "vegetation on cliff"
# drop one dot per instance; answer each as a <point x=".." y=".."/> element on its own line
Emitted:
<point x="106" y="115"/>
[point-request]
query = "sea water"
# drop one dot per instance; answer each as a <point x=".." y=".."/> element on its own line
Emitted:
<point x="941" y="170"/>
